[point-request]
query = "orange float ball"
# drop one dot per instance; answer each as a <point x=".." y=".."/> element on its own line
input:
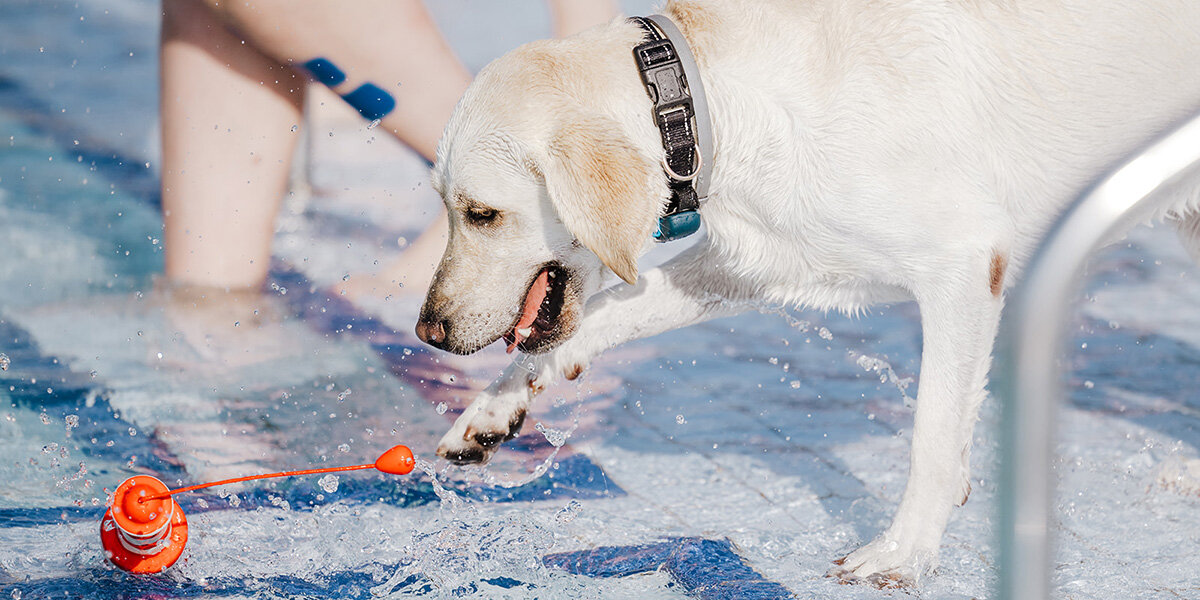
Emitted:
<point x="398" y="461"/>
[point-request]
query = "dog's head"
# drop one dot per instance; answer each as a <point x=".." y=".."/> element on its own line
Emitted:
<point x="549" y="172"/>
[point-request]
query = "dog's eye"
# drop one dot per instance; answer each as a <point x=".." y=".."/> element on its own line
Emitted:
<point x="480" y="215"/>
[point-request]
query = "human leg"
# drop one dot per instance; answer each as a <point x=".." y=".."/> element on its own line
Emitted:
<point x="407" y="59"/>
<point x="391" y="44"/>
<point x="227" y="113"/>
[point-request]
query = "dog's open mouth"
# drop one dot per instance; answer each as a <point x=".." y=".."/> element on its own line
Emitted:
<point x="540" y="311"/>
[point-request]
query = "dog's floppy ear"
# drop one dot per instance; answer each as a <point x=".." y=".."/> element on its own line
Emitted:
<point x="603" y="190"/>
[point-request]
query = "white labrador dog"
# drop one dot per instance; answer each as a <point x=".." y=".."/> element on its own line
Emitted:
<point x="866" y="151"/>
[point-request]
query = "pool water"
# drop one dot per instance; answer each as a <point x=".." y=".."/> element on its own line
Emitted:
<point x="733" y="459"/>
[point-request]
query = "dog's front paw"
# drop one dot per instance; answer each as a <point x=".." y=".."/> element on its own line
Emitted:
<point x="479" y="431"/>
<point x="886" y="563"/>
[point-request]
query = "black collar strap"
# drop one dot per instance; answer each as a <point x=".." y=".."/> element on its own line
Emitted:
<point x="681" y="113"/>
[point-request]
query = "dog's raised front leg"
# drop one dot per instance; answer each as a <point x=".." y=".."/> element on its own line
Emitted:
<point x="685" y="290"/>
<point x="959" y="326"/>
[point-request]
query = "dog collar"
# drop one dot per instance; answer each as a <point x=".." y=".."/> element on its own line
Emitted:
<point x="673" y="83"/>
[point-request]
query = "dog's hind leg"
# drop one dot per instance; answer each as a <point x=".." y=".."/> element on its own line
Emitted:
<point x="685" y="290"/>
<point x="959" y="318"/>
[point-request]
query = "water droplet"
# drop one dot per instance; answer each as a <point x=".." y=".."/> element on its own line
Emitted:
<point x="373" y="124"/>
<point x="295" y="128"/>
<point x="92" y="373"/>
<point x="4" y="361"/>
<point x="568" y="512"/>
<point x="345" y="394"/>
<point x="132" y="432"/>
<point x="329" y="483"/>
<point x="45" y="418"/>
<point x="72" y="421"/>
<point x="825" y="334"/>
<point x="343" y="447"/>
<point x="680" y="420"/>
<point x="556" y="437"/>
<point x="440" y="408"/>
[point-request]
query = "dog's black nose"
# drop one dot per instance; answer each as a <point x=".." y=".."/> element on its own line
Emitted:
<point x="433" y="331"/>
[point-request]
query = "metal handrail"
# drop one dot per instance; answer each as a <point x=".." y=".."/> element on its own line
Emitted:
<point x="1028" y="379"/>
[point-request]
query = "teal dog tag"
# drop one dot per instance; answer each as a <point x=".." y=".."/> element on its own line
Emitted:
<point x="677" y="226"/>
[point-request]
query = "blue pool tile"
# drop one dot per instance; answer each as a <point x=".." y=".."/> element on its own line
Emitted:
<point x="704" y="568"/>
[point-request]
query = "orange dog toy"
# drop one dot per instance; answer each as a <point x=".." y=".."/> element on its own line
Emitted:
<point x="145" y="530"/>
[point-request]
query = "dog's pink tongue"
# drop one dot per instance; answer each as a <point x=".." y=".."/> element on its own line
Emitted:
<point x="537" y="293"/>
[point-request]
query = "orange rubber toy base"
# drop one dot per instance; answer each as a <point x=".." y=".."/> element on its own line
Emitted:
<point x="167" y="551"/>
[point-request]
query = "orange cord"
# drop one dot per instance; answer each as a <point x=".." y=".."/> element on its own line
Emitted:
<point x="250" y="477"/>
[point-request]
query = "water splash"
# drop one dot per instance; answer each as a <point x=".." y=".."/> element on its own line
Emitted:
<point x="329" y="483"/>
<point x="868" y="363"/>
<point x="557" y="438"/>
<point x="885" y="372"/>
<point x="568" y="513"/>
<point x="449" y="498"/>
<point x="4" y="361"/>
<point x="477" y="557"/>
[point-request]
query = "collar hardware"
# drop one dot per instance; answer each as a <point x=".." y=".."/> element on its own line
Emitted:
<point x="678" y="116"/>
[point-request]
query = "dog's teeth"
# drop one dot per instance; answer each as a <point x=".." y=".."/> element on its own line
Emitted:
<point x="525" y="331"/>
<point x="550" y="274"/>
